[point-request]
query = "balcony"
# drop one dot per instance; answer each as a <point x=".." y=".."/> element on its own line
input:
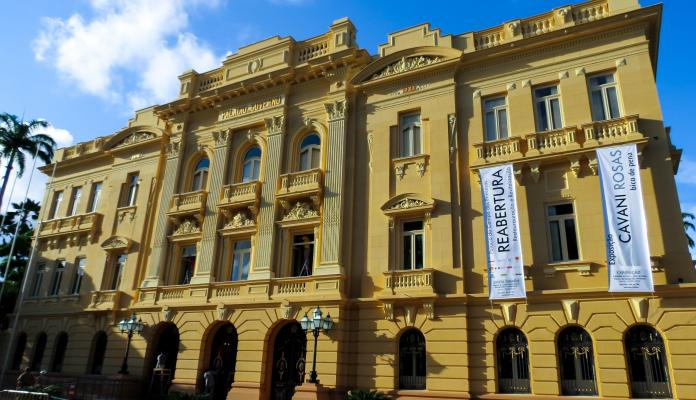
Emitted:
<point x="238" y="195"/>
<point x="188" y="204"/>
<point x="73" y="226"/>
<point x="570" y="142"/>
<point x="103" y="300"/>
<point x="409" y="283"/>
<point x="301" y="184"/>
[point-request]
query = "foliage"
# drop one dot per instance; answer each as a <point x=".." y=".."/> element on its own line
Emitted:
<point x="51" y="390"/>
<point x="689" y="226"/>
<point x="366" y="395"/>
<point x="187" y="396"/>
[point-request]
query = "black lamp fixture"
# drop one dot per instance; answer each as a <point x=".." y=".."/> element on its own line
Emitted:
<point x="130" y="327"/>
<point x="315" y="325"/>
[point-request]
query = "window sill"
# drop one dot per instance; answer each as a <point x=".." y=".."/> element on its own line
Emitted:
<point x="400" y="164"/>
<point x="583" y="268"/>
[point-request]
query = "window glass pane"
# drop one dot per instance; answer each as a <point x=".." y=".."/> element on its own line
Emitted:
<point x="491" y="133"/>
<point x="502" y="124"/>
<point x="203" y="164"/>
<point x="257" y="170"/>
<point x="542" y="117"/>
<point x="254" y="152"/>
<point x="316" y="154"/>
<point x="543" y="92"/>
<point x="310" y="140"/>
<point x="410" y="119"/>
<point x="304" y="160"/>
<point x="407" y="252"/>
<point x="419" y="251"/>
<point x="406" y="142"/>
<point x="561" y="209"/>
<point x="597" y="106"/>
<point x="554" y="231"/>
<point x="613" y="101"/>
<point x="556" y="113"/>
<point x="302" y="255"/>
<point x="96" y="193"/>
<point x="413" y="226"/>
<point x="248" y="172"/>
<point x="571" y="239"/>
<point x="496" y="102"/>
<point x="417" y="149"/>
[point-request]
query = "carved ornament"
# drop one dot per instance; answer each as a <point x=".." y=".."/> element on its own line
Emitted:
<point x="301" y="210"/>
<point x="239" y="220"/>
<point x="115" y="243"/>
<point x="188" y="226"/>
<point x="251" y="108"/>
<point x="134" y="138"/>
<point x="275" y="125"/>
<point x="406" y="64"/>
<point x="220" y="137"/>
<point x="407" y="203"/>
<point x="336" y="109"/>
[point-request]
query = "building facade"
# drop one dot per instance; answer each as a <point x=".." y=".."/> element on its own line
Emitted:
<point x="311" y="173"/>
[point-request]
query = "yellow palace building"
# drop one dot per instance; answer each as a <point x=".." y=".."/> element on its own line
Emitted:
<point x="304" y="174"/>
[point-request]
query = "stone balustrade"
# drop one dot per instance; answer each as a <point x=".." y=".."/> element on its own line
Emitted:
<point x="509" y="147"/>
<point x="303" y="183"/>
<point x="241" y="194"/>
<point x="312" y="48"/>
<point x="81" y="223"/>
<point x="105" y="300"/>
<point x="210" y="80"/>
<point x="416" y="281"/>
<point x="188" y="203"/>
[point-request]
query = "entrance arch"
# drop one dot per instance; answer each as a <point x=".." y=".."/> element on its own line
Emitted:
<point x="164" y="341"/>
<point x="289" y="354"/>
<point x="219" y="360"/>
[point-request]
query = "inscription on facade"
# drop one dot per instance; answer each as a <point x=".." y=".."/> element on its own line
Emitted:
<point x="251" y="108"/>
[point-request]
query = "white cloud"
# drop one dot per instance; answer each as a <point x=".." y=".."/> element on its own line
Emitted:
<point x="129" y="50"/>
<point x="37" y="186"/>
<point x="687" y="172"/>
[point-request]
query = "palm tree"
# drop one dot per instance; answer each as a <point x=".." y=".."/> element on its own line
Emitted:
<point x="16" y="138"/>
<point x="689" y="226"/>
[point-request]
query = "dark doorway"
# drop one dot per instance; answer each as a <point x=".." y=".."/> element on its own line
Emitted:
<point x="513" y="361"/>
<point x="98" y="352"/>
<point x="39" y="349"/>
<point x="165" y="346"/>
<point x="647" y="363"/>
<point x="289" y="352"/>
<point x="412" y="370"/>
<point x="222" y="361"/>
<point x="19" y="351"/>
<point x="59" y="352"/>
<point x="576" y="359"/>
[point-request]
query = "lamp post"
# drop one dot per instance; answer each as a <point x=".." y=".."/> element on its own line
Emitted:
<point x="314" y="325"/>
<point x="129" y="326"/>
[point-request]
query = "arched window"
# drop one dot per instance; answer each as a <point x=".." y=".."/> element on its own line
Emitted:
<point x="412" y="370"/>
<point x="647" y="363"/>
<point x="39" y="349"/>
<point x="512" y="354"/>
<point x="200" y="175"/>
<point x="252" y="165"/>
<point x="576" y="360"/>
<point x="19" y="350"/>
<point x="59" y="352"/>
<point x="310" y="152"/>
<point x="98" y="351"/>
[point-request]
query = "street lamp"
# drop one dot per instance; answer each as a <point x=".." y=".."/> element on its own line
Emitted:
<point x="314" y="325"/>
<point x="129" y="326"/>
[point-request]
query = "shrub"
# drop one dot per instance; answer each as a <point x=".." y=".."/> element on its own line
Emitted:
<point x="366" y="395"/>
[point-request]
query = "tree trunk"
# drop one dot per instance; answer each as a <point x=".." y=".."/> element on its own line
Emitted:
<point x="6" y="178"/>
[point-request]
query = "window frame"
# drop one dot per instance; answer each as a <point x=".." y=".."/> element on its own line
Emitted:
<point x="77" y="279"/>
<point x="585" y="364"/>
<point x="310" y="148"/>
<point x="180" y="256"/>
<point x="94" y="197"/>
<point x="256" y="162"/>
<point x="200" y="174"/>
<point x="56" y="202"/>
<point x="313" y="254"/>
<point x="515" y="370"/>
<point x="411" y="151"/>
<point x="233" y="254"/>
<point x="602" y="89"/>
<point x="132" y="187"/>
<point x="562" y="232"/>
<point x="37" y="283"/>
<point x="75" y="196"/>
<point x="116" y="271"/>
<point x="412" y="234"/>
<point x="57" y="279"/>
<point x="496" y="112"/>
<point x="403" y="380"/>
<point x="549" y="118"/>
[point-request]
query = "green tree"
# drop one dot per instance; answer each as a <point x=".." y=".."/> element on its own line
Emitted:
<point x="689" y="226"/>
<point x="17" y="138"/>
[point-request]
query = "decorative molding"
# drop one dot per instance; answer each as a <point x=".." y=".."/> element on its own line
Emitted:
<point x="640" y="307"/>
<point x="621" y="62"/>
<point x="509" y="311"/>
<point x="563" y="75"/>
<point x="251" y="108"/>
<point x="388" y="311"/>
<point x="400" y="170"/>
<point x="421" y="168"/>
<point x="527" y="83"/>
<point x="407" y="203"/>
<point x="255" y="65"/>
<point x="477" y="94"/>
<point x="410" y="315"/>
<point x="511" y="86"/>
<point x="187" y="226"/>
<point x="300" y="210"/>
<point x="286" y="311"/>
<point x="410" y="89"/>
<point x="220" y="137"/>
<point x="452" y="124"/>
<point x="173" y="148"/>
<point x="239" y="220"/>
<point x="370" y="148"/>
<point x="308" y="121"/>
<point x="580" y="71"/>
<point x="429" y="308"/>
<point x="406" y="64"/>
<point x="168" y="314"/>
<point x="336" y="109"/>
<point x="134" y="138"/>
<point x="571" y="308"/>
<point x="275" y="125"/>
<point x="222" y="312"/>
<point x="116" y="243"/>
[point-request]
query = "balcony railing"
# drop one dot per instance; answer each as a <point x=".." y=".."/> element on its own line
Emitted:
<point x="105" y="300"/>
<point x="210" y="80"/>
<point x="240" y="194"/>
<point x="304" y="183"/>
<point x="410" y="281"/>
<point x="561" y="141"/>
<point x="82" y="223"/>
<point x="313" y="48"/>
<point x="188" y="203"/>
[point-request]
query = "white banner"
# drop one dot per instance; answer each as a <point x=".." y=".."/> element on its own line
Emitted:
<point x="505" y="268"/>
<point x="628" y="253"/>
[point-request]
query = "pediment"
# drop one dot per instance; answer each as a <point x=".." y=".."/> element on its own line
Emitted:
<point x="116" y="243"/>
<point x="406" y="61"/>
<point x="131" y="136"/>
<point x="408" y="202"/>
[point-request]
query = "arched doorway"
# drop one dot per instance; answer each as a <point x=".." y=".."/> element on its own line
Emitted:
<point x="39" y="348"/>
<point x="576" y="361"/>
<point x="165" y="347"/>
<point x="513" y="361"/>
<point x="647" y="363"/>
<point x="289" y="352"/>
<point x="412" y="369"/>
<point x="222" y="360"/>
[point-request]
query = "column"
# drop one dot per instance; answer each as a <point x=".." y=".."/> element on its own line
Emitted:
<point x="160" y="243"/>
<point x="206" y="249"/>
<point x="263" y="261"/>
<point x="333" y="190"/>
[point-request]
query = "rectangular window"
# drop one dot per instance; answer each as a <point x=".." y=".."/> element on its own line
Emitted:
<point x="131" y="190"/>
<point x="302" y="254"/>
<point x="57" y="278"/>
<point x="55" y="204"/>
<point x="411" y="137"/>
<point x="94" y="197"/>
<point x="241" y="260"/>
<point x="604" y="97"/>
<point x="563" y="238"/>
<point x="548" y="108"/>
<point x="38" y="279"/>
<point x="495" y="114"/>
<point x="413" y="245"/>
<point x="74" y="200"/>
<point x="80" y="264"/>
<point x="118" y="267"/>
<point x="188" y="264"/>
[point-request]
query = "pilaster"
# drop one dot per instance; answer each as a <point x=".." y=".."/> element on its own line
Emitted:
<point x="263" y="260"/>
<point x="333" y="189"/>
<point x="204" y="268"/>
<point x="159" y="249"/>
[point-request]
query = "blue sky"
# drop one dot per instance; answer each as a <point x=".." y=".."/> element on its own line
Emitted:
<point x="86" y="65"/>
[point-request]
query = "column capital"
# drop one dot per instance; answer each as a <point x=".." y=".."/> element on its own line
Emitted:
<point x="336" y="109"/>
<point x="275" y="125"/>
<point x="221" y="137"/>
<point x="174" y="148"/>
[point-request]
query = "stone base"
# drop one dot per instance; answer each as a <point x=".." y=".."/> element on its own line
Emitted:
<point x="244" y="391"/>
<point x="311" y="391"/>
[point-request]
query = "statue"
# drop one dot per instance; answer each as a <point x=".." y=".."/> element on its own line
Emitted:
<point x="161" y="361"/>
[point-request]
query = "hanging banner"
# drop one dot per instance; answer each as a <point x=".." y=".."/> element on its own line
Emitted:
<point x="505" y="268"/>
<point x="628" y="253"/>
